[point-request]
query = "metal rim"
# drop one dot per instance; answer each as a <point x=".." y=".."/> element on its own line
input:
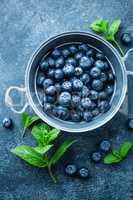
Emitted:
<point x="123" y="68"/>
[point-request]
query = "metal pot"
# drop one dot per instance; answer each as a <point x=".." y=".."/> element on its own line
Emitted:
<point x="95" y="41"/>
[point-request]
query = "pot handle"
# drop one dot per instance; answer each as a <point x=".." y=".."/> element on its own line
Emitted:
<point x="9" y="101"/>
<point x="125" y="58"/>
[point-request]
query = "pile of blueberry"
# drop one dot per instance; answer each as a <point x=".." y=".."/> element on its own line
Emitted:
<point x="76" y="81"/>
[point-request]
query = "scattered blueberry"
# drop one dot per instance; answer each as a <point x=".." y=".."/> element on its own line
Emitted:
<point x="51" y="90"/>
<point x="130" y="123"/>
<point x="100" y="64"/>
<point x="50" y="73"/>
<point x="85" y="91"/>
<point x="103" y="77"/>
<point x="93" y="95"/>
<point x="96" y="157"/>
<point x="103" y="95"/>
<point x="77" y="84"/>
<point x="95" y="112"/>
<point x="109" y="90"/>
<point x="40" y="80"/>
<point x="44" y="65"/>
<point x="65" y="99"/>
<point x="83" y="173"/>
<point x="67" y="86"/>
<point x="95" y="72"/>
<point x="90" y="53"/>
<point x="51" y="99"/>
<point x="97" y="85"/>
<point x="78" y="56"/>
<point x="47" y="82"/>
<point x="75" y="101"/>
<point x="75" y="116"/>
<point x="100" y="56"/>
<point x="71" y="169"/>
<point x="105" y="145"/>
<point x="58" y="87"/>
<point x="85" y="62"/>
<point x="86" y="103"/>
<point x="68" y="69"/>
<point x="47" y="107"/>
<point x="58" y="74"/>
<point x="71" y="61"/>
<point x="83" y="47"/>
<point x="126" y="39"/>
<point x="87" y="116"/>
<point x="66" y="53"/>
<point x="7" y="123"/>
<point x="59" y="62"/>
<point x="103" y="106"/>
<point x="85" y="78"/>
<point x="73" y="49"/>
<point x="51" y="62"/>
<point x="55" y="54"/>
<point x="111" y="77"/>
<point x="61" y="112"/>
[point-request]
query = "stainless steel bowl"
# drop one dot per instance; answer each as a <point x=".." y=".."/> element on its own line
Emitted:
<point x="93" y="40"/>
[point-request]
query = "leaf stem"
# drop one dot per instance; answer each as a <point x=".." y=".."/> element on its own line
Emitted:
<point x="51" y="174"/>
<point x="118" y="46"/>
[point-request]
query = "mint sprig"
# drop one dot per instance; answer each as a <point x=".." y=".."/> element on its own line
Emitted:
<point x="107" y="30"/>
<point x="39" y="156"/>
<point x="118" y="156"/>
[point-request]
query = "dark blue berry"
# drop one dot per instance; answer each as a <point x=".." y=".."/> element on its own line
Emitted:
<point x="90" y="53"/>
<point x="78" y="71"/>
<point x="93" y="105"/>
<point x="97" y="85"/>
<point x="93" y="95"/>
<point x="47" y="82"/>
<point x="58" y="87"/>
<point x="100" y="64"/>
<point x="7" y="123"/>
<point x="51" y="90"/>
<point x="103" y="95"/>
<point x="40" y="80"/>
<point x="44" y="99"/>
<point x="85" y="78"/>
<point x="87" y="116"/>
<point x="96" y="157"/>
<point x="86" y="103"/>
<point x="51" y="73"/>
<point x="51" y="99"/>
<point x="111" y="77"/>
<point x="83" y="47"/>
<point x="85" y="62"/>
<point x="68" y="70"/>
<point x="103" y="77"/>
<point x="100" y="56"/>
<point x="95" y="112"/>
<point x="77" y="84"/>
<point x="126" y="39"/>
<point x="47" y="107"/>
<point x="71" y="169"/>
<point x="67" y="86"/>
<point x="85" y="91"/>
<point x="75" y="101"/>
<point x="95" y="72"/>
<point x="66" y="53"/>
<point x="103" y="106"/>
<point x="55" y="53"/>
<point x="61" y="112"/>
<point x="71" y="61"/>
<point x="58" y="74"/>
<point x="78" y="56"/>
<point x="44" y="65"/>
<point x="59" y="62"/>
<point x="75" y="116"/>
<point x="51" y="62"/>
<point x="106" y="66"/>
<point x="130" y="123"/>
<point x="83" y="173"/>
<point x="64" y="99"/>
<point x="73" y="49"/>
<point x="105" y="145"/>
<point x="109" y="90"/>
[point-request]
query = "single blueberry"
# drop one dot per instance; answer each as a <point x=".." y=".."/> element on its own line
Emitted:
<point x="75" y="101"/>
<point x="100" y="64"/>
<point x="73" y="49"/>
<point x="103" y="95"/>
<point x="56" y="53"/>
<point x="93" y="95"/>
<point x="77" y="84"/>
<point x="97" y="84"/>
<point x="47" y="107"/>
<point x="64" y="99"/>
<point x="50" y="73"/>
<point x="7" y="123"/>
<point x="66" y="52"/>
<point x="95" y="72"/>
<point x="130" y="123"/>
<point x="58" y="87"/>
<point x="93" y="105"/>
<point x="109" y="90"/>
<point x="44" y="65"/>
<point x="96" y="157"/>
<point x="59" y="62"/>
<point x="51" y="99"/>
<point x="85" y="91"/>
<point x="103" y="77"/>
<point x="111" y="77"/>
<point x="85" y="78"/>
<point x="70" y="169"/>
<point x="90" y="53"/>
<point x="87" y="116"/>
<point x="47" y="82"/>
<point x="51" y="62"/>
<point x="85" y="62"/>
<point x="78" y="56"/>
<point x="103" y="106"/>
<point x="105" y="145"/>
<point x="71" y="61"/>
<point x="68" y="70"/>
<point x="95" y="112"/>
<point x="83" y="47"/>
<point x="78" y="71"/>
<point x="51" y="90"/>
<point x="100" y="56"/>
<point x="58" y="74"/>
<point x="106" y="66"/>
<point x="126" y="39"/>
<point x="61" y="112"/>
<point x="75" y="116"/>
<point x="83" y="173"/>
<point x="67" y="86"/>
<point x="86" y="103"/>
<point x="40" y="80"/>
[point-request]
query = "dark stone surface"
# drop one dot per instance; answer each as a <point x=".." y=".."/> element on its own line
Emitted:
<point x="23" y="26"/>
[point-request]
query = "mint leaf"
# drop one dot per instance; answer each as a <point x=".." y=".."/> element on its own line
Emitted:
<point x="53" y="134"/>
<point x="116" y="153"/>
<point x="28" y="154"/>
<point x="43" y="150"/>
<point x="99" y="26"/>
<point x="60" y="151"/>
<point x="113" y="29"/>
<point x="110" y="159"/>
<point x="125" y="148"/>
<point x="27" y="121"/>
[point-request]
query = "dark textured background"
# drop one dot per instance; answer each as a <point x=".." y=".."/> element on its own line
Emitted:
<point x="24" y="25"/>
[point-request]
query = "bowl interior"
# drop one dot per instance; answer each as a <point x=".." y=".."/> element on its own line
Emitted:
<point x="112" y="56"/>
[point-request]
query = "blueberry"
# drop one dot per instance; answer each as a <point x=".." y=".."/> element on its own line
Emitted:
<point x="73" y="49"/>
<point x="103" y="95"/>
<point x="83" y="173"/>
<point x="86" y="103"/>
<point x="51" y="62"/>
<point x="100" y="56"/>
<point x="66" y="52"/>
<point x="103" y="77"/>
<point x="56" y="53"/>
<point x="126" y="39"/>
<point x="85" y="78"/>
<point x="51" y="99"/>
<point x="7" y="123"/>
<point x="96" y="157"/>
<point x="61" y="112"/>
<point x="83" y="47"/>
<point x="71" y="169"/>
<point x="106" y="66"/>
<point x="103" y="106"/>
<point x="78" y="56"/>
<point x="64" y="99"/>
<point x="47" y="107"/>
<point x="93" y="95"/>
<point x="44" y="65"/>
<point x="97" y="85"/>
<point x="109" y="90"/>
<point x="47" y="82"/>
<point x="93" y="105"/>
<point x="44" y="100"/>
<point x="50" y="73"/>
<point x="90" y="53"/>
<point x="59" y="62"/>
<point x="71" y="61"/>
<point x="130" y="123"/>
<point x="58" y="74"/>
<point x="75" y="116"/>
<point x="77" y="84"/>
<point x="67" y="86"/>
<point x="68" y="69"/>
<point x="75" y="101"/>
<point x="58" y="87"/>
<point x="78" y="71"/>
<point x="85" y="62"/>
<point x="85" y="91"/>
<point x="95" y="112"/>
<point x="111" y="77"/>
<point x="51" y="90"/>
<point x="100" y="64"/>
<point x="105" y="145"/>
<point x="40" y="79"/>
<point x="87" y="116"/>
<point x="95" y="72"/>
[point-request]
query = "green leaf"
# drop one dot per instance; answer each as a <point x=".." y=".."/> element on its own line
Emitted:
<point x="43" y="150"/>
<point x="113" y="29"/>
<point x="125" y="148"/>
<point x="28" y="154"/>
<point x="60" y="151"/>
<point x="53" y="134"/>
<point x="111" y="159"/>
<point x="28" y="120"/>
<point x="116" y="153"/>
<point x="99" y="26"/>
